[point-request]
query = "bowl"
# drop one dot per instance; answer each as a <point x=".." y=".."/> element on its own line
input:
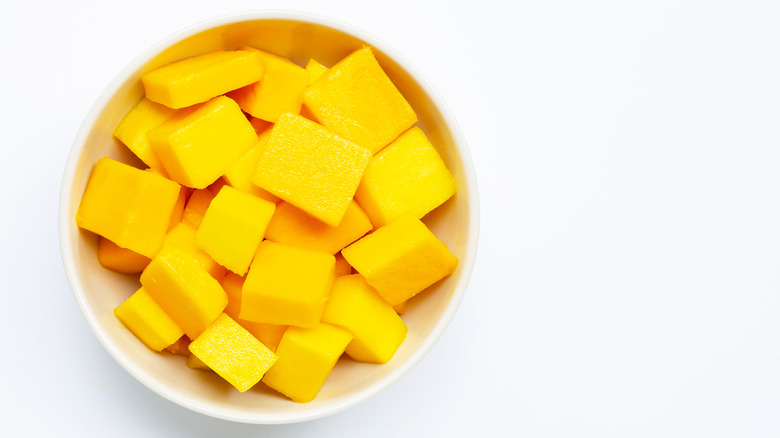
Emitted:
<point x="98" y="291"/>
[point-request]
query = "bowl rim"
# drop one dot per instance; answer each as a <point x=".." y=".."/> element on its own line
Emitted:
<point x="466" y="264"/>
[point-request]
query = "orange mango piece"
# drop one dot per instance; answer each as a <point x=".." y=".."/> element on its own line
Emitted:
<point x="184" y="289"/>
<point x="196" y="207"/>
<point x="233" y="227"/>
<point x="292" y="226"/>
<point x="148" y="321"/>
<point x="342" y="266"/>
<point x="405" y="246"/>
<point x="201" y="78"/>
<point x="280" y="90"/>
<point x="357" y="100"/>
<point x="233" y="353"/>
<point x="408" y="176"/>
<point x="182" y="237"/>
<point x="315" y="70"/>
<point x="268" y="334"/>
<point x="377" y="329"/>
<point x="112" y="256"/>
<point x="310" y="167"/>
<point x="180" y="347"/>
<point x="132" y="130"/>
<point x="306" y="356"/>
<point x="128" y="206"/>
<point x="197" y="145"/>
<point x="240" y="174"/>
<point x="287" y="285"/>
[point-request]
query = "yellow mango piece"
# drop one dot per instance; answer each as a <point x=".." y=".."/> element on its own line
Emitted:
<point x="183" y="288"/>
<point x="232" y="352"/>
<point x="196" y="364"/>
<point x="148" y="321"/>
<point x="180" y="347"/>
<point x="197" y="145"/>
<point x="128" y="206"/>
<point x="201" y="78"/>
<point x="377" y="329"/>
<point x="233" y="227"/>
<point x="287" y="285"/>
<point x="400" y="308"/>
<point x="260" y="125"/>
<point x="357" y="100"/>
<point x="342" y="266"/>
<point x="241" y="172"/>
<point x="292" y="226"/>
<point x="112" y="256"/>
<point x="405" y="246"/>
<point x="268" y="334"/>
<point x="280" y="91"/>
<point x="196" y="207"/>
<point x="182" y="237"/>
<point x="306" y="357"/>
<point x="315" y="70"/>
<point x="408" y="176"/>
<point x="310" y="167"/>
<point x="132" y="130"/>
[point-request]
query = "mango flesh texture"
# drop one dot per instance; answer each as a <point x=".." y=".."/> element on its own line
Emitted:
<point x="407" y="176"/>
<point x="196" y="207"/>
<point x="128" y="206"/>
<point x="185" y="291"/>
<point x="280" y="90"/>
<point x="315" y="70"/>
<point x="287" y="285"/>
<point x="377" y="329"/>
<point x="182" y="238"/>
<point x="401" y="259"/>
<point x="342" y="266"/>
<point x="232" y="352"/>
<point x="148" y="321"/>
<point x="292" y="226"/>
<point x="112" y="256"/>
<point x="240" y="174"/>
<point x="306" y="357"/>
<point x="233" y="227"/>
<point x="357" y="100"/>
<point x="268" y="334"/>
<point x="132" y="130"/>
<point x="198" y="144"/>
<point x="310" y="167"/>
<point x="200" y="78"/>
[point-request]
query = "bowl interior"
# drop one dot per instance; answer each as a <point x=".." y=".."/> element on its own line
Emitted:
<point x="98" y="291"/>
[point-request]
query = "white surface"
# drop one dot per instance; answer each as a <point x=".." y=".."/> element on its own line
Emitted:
<point x="627" y="281"/>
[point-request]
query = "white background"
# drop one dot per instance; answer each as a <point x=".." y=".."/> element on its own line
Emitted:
<point x="628" y="156"/>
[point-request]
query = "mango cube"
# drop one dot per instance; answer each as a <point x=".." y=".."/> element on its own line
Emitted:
<point x="315" y="70"/>
<point x="132" y="130"/>
<point x="196" y="207"/>
<point x="292" y="226"/>
<point x="182" y="237"/>
<point x="401" y="259"/>
<point x="408" y="176"/>
<point x="112" y="256"/>
<point x="148" y="321"/>
<point x="197" y="145"/>
<point x="306" y="357"/>
<point x="280" y="90"/>
<point x="311" y="168"/>
<point x="185" y="291"/>
<point x="233" y="227"/>
<point x="287" y="285"/>
<point x="377" y="329"/>
<point x="357" y="100"/>
<point x="128" y="206"/>
<point x="233" y="353"/>
<point x="342" y="266"/>
<point x="200" y="78"/>
<point x="268" y="334"/>
<point x="240" y="174"/>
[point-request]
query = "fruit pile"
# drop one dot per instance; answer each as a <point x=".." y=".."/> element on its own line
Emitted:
<point x="277" y="226"/>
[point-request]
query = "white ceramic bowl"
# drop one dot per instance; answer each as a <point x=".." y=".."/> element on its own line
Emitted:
<point x="98" y="291"/>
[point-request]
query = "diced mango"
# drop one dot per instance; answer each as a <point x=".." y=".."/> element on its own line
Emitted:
<point x="408" y="176"/>
<point x="178" y="208"/>
<point x="196" y="207"/>
<point x="148" y="321"/>
<point x="217" y="185"/>
<point x="183" y="288"/>
<point x="280" y="91"/>
<point x="201" y="78"/>
<point x="196" y="364"/>
<point x="128" y="206"/>
<point x="197" y="145"/>
<point x="241" y="172"/>
<point x="292" y="226"/>
<point x="315" y="70"/>
<point x="287" y="285"/>
<point x="268" y="334"/>
<point x="132" y="130"/>
<point x="342" y="265"/>
<point x="311" y="168"/>
<point x="260" y="125"/>
<point x="233" y="227"/>
<point x="401" y="259"/>
<point x="306" y="357"/>
<point x="180" y="347"/>
<point x="400" y="308"/>
<point x="112" y="256"/>
<point x="357" y="100"/>
<point x="182" y="237"/>
<point x="355" y="306"/>
<point x="233" y="353"/>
